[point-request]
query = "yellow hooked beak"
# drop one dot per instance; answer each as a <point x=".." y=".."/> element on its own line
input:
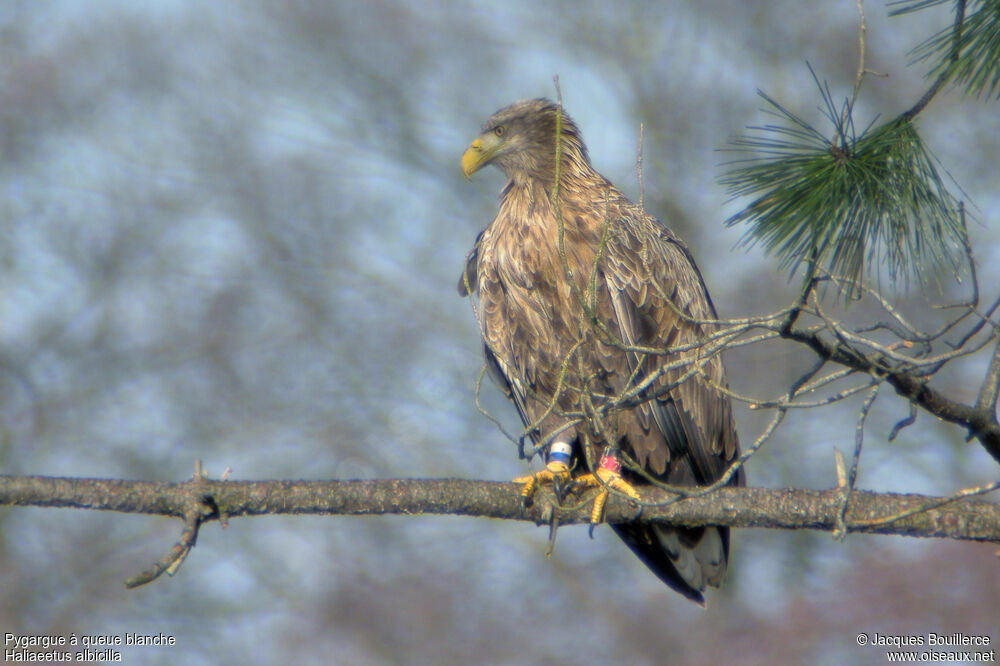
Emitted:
<point x="480" y="152"/>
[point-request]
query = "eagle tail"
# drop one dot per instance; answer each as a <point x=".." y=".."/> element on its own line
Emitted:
<point x="686" y="559"/>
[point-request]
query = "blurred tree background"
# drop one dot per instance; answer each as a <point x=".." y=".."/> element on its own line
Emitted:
<point x="232" y="231"/>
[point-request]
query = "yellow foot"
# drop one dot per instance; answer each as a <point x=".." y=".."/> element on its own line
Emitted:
<point x="555" y="472"/>
<point x="603" y="479"/>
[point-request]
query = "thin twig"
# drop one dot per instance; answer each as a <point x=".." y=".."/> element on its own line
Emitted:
<point x="904" y="423"/>
<point x="927" y="506"/>
<point x="986" y="401"/>
<point x="638" y="166"/>
<point x="859" y="437"/>
<point x="171" y="562"/>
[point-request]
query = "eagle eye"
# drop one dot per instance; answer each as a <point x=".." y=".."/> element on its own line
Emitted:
<point x="499" y="130"/>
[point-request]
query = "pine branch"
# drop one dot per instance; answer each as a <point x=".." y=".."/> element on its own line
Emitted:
<point x="967" y="53"/>
<point x="857" y="201"/>
<point x="849" y="203"/>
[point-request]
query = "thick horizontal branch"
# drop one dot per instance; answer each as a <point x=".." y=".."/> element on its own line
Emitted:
<point x="870" y="512"/>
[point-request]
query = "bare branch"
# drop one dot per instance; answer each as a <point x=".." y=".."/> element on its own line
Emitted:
<point x="980" y="423"/>
<point x="860" y="76"/>
<point x="953" y="517"/>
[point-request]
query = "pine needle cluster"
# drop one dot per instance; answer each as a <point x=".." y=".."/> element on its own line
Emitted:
<point x="854" y="203"/>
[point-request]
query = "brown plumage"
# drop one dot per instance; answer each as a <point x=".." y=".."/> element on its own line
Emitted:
<point x="565" y="349"/>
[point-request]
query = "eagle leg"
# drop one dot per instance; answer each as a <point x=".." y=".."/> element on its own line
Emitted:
<point x="607" y="475"/>
<point x="556" y="472"/>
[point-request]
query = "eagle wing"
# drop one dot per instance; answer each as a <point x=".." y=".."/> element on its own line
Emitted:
<point x="659" y="300"/>
<point x="683" y="433"/>
<point x="468" y="285"/>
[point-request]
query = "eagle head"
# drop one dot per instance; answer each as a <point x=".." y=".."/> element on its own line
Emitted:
<point x="520" y="140"/>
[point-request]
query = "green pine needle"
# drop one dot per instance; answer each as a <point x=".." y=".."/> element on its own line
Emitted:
<point x="968" y="53"/>
<point x="849" y="204"/>
<point x="908" y="6"/>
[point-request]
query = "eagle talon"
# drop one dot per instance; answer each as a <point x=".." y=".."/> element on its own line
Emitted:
<point x="556" y="472"/>
<point x="606" y="476"/>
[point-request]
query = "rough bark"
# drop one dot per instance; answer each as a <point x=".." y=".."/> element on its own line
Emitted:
<point x="966" y="519"/>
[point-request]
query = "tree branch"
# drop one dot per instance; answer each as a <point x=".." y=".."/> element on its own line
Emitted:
<point x="867" y="511"/>
<point x="981" y="422"/>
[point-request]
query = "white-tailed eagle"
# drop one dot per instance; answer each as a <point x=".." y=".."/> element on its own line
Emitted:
<point x="594" y="318"/>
